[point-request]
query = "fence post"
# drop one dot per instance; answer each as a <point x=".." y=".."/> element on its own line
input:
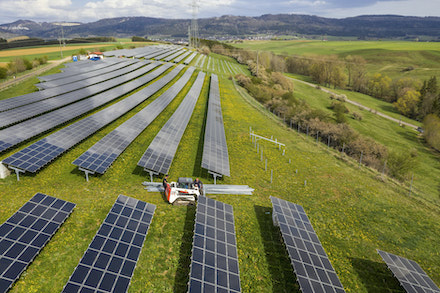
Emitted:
<point x="360" y="160"/>
<point x="343" y="147"/>
<point x="261" y="154"/>
<point x="290" y="123"/>
<point x="271" y="175"/>
<point x="305" y="183"/>
<point x="383" y="170"/>
<point x="317" y="135"/>
<point x="258" y="147"/>
<point x="298" y="127"/>
<point x="410" y="187"/>
<point x="265" y="166"/>
<point x="307" y="130"/>
<point x="328" y="141"/>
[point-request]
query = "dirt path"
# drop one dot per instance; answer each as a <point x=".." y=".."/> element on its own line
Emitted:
<point x="52" y="64"/>
<point x="359" y="105"/>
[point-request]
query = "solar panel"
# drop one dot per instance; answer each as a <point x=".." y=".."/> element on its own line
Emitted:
<point x="309" y="259"/>
<point x="215" y="150"/>
<point x="42" y="152"/>
<point x="181" y="57"/>
<point x="27" y="111"/>
<point x="152" y="50"/>
<point x="26" y="232"/>
<point x="89" y="75"/>
<point x="214" y="260"/>
<point x="18" y="133"/>
<point x="109" y="261"/>
<point x="171" y="57"/>
<point x="190" y="58"/>
<point x="102" y="154"/>
<point x="166" y="54"/>
<point x="159" y="155"/>
<point x="409" y="273"/>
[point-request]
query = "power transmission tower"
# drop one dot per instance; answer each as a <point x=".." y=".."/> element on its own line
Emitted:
<point x="193" y="34"/>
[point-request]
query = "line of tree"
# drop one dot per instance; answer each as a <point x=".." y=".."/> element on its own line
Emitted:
<point x="21" y="64"/>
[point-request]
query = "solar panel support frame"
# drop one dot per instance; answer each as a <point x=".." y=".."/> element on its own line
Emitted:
<point x="215" y="175"/>
<point x="17" y="171"/>
<point x="86" y="173"/>
<point x="152" y="173"/>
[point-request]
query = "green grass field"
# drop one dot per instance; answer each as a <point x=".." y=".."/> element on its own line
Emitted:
<point x="386" y="57"/>
<point x="353" y="212"/>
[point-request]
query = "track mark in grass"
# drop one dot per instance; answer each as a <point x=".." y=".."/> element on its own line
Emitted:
<point x="283" y="277"/>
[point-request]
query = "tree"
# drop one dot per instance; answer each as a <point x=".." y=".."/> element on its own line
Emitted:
<point x="431" y="125"/>
<point x="408" y="103"/>
<point x="379" y="86"/>
<point x="401" y="86"/>
<point x="338" y="78"/>
<point x="400" y="163"/>
<point x="3" y="73"/>
<point x="357" y="73"/>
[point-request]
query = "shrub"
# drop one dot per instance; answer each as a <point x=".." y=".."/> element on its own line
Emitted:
<point x="119" y="47"/>
<point x="431" y="125"/>
<point x="357" y="116"/>
<point x="400" y="163"/>
<point x="3" y="73"/>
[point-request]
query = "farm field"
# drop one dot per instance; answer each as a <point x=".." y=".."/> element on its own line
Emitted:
<point x="386" y="57"/>
<point x="352" y="211"/>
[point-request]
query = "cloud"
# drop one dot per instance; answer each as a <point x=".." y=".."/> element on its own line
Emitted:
<point x="92" y="10"/>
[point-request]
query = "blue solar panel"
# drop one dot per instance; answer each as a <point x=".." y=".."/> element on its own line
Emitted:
<point x="26" y="232"/>
<point x="109" y="261"/>
<point x="309" y="260"/>
<point x="102" y="154"/>
<point x="39" y="154"/>
<point x="409" y="273"/>
<point x="160" y="154"/>
<point x="215" y="156"/>
<point x="214" y="260"/>
<point x="18" y="133"/>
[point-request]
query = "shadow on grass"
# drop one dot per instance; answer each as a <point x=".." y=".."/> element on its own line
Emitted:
<point x="376" y="277"/>
<point x="182" y="274"/>
<point x="282" y="276"/>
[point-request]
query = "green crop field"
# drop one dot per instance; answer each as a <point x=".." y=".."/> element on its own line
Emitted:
<point x="386" y="57"/>
<point x="353" y="211"/>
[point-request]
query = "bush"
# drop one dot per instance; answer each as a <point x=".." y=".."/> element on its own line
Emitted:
<point x="401" y="163"/>
<point x="431" y="125"/>
<point x="119" y="47"/>
<point x="138" y="39"/>
<point x="3" y="73"/>
<point x="357" y="116"/>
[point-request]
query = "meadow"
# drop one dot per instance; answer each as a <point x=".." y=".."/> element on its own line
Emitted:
<point x="353" y="210"/>
<point x="386" y="57"/>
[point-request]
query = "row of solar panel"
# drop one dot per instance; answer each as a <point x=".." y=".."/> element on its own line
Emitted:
<point x="160" y="154"/>
<point x="37" y="155"/>
<point x="215" y="156"/>
<point x="310" y="262"/>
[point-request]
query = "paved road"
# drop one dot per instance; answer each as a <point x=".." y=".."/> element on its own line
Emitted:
<point x="358" y="104"/>
<point x="52" y="64"/>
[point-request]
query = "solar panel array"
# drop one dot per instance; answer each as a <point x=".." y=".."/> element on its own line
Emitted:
<point x="26" y="232"/>
<point x="102" y="154"/>
<point x="409" y="273"/>
<point x="27" y="111"/>
<point x="42" y="152"/>
<point x="158" y="52"/>
<point x="85" y="74"/>
<point x="109" y="261"/>
<point x="309" y="259"/>
<point x="214" y="260"/>
<point x="215" y="150"/>
<point x="166" y="54"/>
<point x="18" y="133"/>
<point x="159" y="155"/>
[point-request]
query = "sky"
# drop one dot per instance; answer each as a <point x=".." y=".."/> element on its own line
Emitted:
<point x="93" y="10"/>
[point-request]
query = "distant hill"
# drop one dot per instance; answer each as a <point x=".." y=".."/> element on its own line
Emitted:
<point x="368" y="26"/>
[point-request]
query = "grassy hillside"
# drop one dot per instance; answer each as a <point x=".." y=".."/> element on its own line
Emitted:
<point x="386" y="57"/>
<point x="352" y="211"/>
